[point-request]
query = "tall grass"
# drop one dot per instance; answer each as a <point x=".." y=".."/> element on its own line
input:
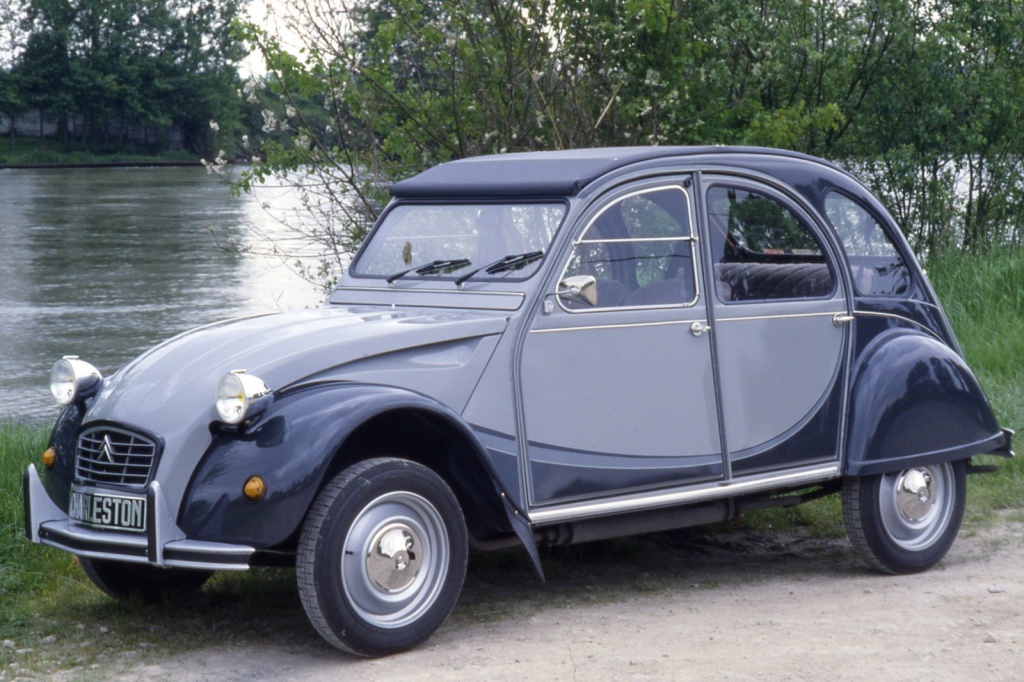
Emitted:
<point x="983" y="296"/>
<point x="21" y="567"/>
<point x="27" y="572"/>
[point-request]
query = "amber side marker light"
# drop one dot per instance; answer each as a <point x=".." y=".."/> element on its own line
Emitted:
<point x="254" y="489"/>
<point x="49" y="457"/>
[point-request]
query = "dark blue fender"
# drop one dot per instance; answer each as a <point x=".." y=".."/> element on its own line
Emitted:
<point x="64" y="439"/>
<point x="304" y="438"/>
<point x="915" y="401"/>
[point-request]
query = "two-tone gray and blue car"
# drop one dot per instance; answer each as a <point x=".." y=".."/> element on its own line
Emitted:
<point x="532" y="349"/>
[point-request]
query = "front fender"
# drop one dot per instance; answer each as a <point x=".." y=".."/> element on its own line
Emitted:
<point x="915" y="401"/>
<point x="294" y="448"/>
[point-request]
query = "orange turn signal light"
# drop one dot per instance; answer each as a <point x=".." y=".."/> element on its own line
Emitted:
<point x="49" y="457"/>
<point x="254" y="489"/>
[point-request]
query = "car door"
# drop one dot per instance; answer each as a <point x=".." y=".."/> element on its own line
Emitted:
<point x="618" y="395"/>
<point x="780" y="325"/>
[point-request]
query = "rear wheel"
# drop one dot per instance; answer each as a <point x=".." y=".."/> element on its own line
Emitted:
<point x="905" y="521"/>
<point x="150" y="584"/>
<point x="382" y="557"/>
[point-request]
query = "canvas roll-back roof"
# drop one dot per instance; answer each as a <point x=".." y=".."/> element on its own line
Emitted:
<point x="545" y="174"/>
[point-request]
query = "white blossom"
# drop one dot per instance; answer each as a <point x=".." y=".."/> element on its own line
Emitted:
<point x="250" y="89"/>
<point x="270" y="122"/>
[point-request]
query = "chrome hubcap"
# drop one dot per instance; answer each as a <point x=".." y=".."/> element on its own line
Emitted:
<point x="395" y="559"/>
<point x="393" y="562"/>
<point x="916" y="505"/>
<point x="914" y="496"/>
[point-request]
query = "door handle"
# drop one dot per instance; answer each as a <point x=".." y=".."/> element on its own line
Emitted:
<point x="840" y="319"/>
<point x="698" y="328"/>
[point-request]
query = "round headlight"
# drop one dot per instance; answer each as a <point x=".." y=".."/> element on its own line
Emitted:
<point x="240" y="396"/>
<point x="72" y="378"/>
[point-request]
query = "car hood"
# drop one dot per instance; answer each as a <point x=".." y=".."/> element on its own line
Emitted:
<point x="180" y="376"/>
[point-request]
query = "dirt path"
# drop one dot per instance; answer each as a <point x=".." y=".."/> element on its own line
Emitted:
<point x="738" y="608"/>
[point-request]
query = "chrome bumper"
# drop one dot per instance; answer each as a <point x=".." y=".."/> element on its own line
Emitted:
<point x="163" y="544"/>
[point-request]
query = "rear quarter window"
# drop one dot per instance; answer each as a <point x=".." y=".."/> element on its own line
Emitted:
<point x="877" y="267"/>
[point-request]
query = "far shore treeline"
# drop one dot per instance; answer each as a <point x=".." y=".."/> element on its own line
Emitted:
<point x="118" y="75"/>
<point x="922" y="99"/>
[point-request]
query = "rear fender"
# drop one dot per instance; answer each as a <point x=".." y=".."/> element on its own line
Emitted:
<point x="914" y="401"/>
<point x="311" y="433"/>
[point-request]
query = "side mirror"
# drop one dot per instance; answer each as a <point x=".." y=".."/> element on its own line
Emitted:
<point x="579" y="289"/>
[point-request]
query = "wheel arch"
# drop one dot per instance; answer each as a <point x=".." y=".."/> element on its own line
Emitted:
<point x="313" y="432"/>
<point x="913" y="401"/>
<point x="440" y="441"/>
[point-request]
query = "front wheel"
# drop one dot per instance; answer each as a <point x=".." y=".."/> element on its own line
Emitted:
<point x="382" y="557"/>
<point x="905" y="521"/>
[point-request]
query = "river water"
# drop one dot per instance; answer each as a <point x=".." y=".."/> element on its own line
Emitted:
<point x="104" y="263"/>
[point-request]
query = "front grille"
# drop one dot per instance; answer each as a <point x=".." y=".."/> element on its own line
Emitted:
<point x="110" y="455"/>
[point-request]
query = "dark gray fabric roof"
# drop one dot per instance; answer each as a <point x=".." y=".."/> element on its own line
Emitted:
<point x="558" y="173"/>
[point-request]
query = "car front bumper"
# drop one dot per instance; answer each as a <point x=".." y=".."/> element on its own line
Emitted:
<point x="163" y="543"/>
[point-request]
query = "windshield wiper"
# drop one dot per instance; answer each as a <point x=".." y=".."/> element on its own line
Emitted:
<point x="430" y="268"/>
<point x="510" y="262"/>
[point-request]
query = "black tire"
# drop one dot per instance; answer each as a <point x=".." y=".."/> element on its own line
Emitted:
<point x="148" y="584"/>
<point x="905" y="521"/>
<point x="382" y="557"/>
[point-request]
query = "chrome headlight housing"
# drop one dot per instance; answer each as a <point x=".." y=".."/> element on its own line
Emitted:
<point x="241" y="396"/>
<point x="72" y="378"/>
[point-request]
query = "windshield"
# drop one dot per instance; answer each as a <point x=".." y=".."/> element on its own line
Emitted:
<point x="433" y="241"/>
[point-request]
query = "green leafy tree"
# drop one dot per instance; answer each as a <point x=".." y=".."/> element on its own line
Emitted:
<point x="11" y="105"/>
<point x="946" y="148"/>
<point x="122" y="63"/>
<point x="922" y="97"/>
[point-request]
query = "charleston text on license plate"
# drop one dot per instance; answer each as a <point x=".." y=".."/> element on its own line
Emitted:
<point x="103" y="510"/>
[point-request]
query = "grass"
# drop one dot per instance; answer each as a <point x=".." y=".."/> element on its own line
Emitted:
<point x="54" y="619"/>
<point x="30" y="151"/>
<point x="984" y="299"/>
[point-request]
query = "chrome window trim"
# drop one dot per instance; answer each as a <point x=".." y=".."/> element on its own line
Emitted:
<point x="631" y="308"/>
<point x="777" y="317"/>
<point x="614" y="326"/>
<point x="691" y="238"/>
<point x="680" y="496"/>
<point x="627" y="325"/>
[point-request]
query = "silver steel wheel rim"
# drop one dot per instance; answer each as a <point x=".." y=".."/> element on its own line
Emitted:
<point x="394" y="560"/>
<point x="916" y="505"/>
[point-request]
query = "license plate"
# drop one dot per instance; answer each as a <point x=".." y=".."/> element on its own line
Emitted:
<point x="108" y="511"/>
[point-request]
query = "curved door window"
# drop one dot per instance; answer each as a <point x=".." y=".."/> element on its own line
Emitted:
<point x="762" y="250"/>
<point x="640" y="251"/>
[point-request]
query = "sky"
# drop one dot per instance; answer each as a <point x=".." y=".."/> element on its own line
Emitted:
<point x="261" y="12"/>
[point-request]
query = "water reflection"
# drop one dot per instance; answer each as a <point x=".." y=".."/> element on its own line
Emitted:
<point x="104" y="263"/>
